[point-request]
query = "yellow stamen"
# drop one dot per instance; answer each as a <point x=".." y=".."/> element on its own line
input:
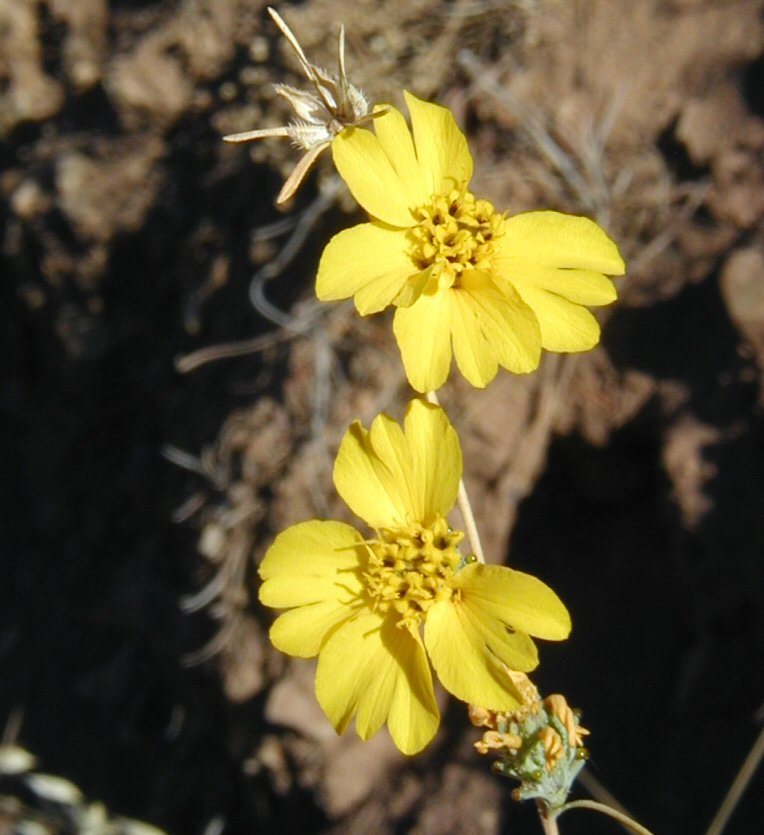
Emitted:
<point x="409" y="569"/>
<point x="455" y="232"/>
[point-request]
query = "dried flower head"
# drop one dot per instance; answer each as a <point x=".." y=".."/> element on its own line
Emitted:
<point x="541" y="744"/>
<point x="322" y="113"/>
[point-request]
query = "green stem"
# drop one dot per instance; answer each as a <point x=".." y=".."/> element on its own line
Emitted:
<point x="624" y="820"/>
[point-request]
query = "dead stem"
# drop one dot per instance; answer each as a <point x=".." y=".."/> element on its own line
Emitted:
<point x="290" y="325"/>
<point x="599" y="792"/>
<point x="624" y="820"/>
<point x="533" y="125"/>
<point x="739" y="785"/>
<point x="190" y="362"/>
<point x="463" y="500"/>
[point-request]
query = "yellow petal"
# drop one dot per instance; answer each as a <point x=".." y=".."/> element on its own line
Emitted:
<point x="301" y="632"/>
<point x="347" y="669"/>
<point x="580" y="286"/>
<point x="396" y="140"/>
<point x="553" y="239"/>
<point x="414" y="715"/>
<point x="565" y="326"/>
<point x="413" y="288"/>
<point x="368" y="261"/>
<point x="441" y="148"/>
<point x="370" y="668"/>
<point x="469" y="651"/>
<point x="423" y="333"/>
<point x="394" y="465"/>
<point x="510" y="330"/>
<point x="558" y="262"/>
<point x="518" y="600"/>
<point x="365" y="486"/>
<point x="436" y="458"/>
<point x="285" y="591"/>
<point x="474" y="356"/>
<point x="371" y="176"/>
<point x="315" y="566"/>
<point x="304" y="556"/>
<point x="391" y="477"/>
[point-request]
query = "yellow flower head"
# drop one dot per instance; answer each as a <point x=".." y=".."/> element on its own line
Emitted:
<point x="462" y="275"/>
<point x="374" y="608"/>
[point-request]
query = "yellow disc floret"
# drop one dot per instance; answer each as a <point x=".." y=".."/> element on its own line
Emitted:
<point x="410" y="569"/>
<point x="455" y="232"/>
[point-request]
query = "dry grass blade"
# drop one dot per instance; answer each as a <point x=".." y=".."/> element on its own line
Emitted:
<point x="738" y="787"/>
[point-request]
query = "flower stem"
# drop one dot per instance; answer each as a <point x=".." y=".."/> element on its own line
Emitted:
<point x="464" y="504"/>
<point x="624" y="820"/>
<point x="548" y="819"/>
<point x="469" y="522"/>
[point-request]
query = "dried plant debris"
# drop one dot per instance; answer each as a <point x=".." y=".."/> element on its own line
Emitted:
<point x="321" y="113"/>
<point x="252" y="451"/>
<point x="35" y="803"/>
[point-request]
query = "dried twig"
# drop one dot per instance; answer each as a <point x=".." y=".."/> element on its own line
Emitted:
<point x="306" y="221"/>
<point x="738" y="787"/>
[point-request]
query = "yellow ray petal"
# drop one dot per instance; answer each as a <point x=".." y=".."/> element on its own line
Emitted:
<point x="370" y="668"/>
<point x="423" y="333"/>
<point x="558" y="262"/>
<point x="441" y="147"/>
<point x="553" y="239"/>
<point x="436" y="458"/>
<point x="579" y="286"/>
<point x="368" y="261"/>
<point x="285" y="591"/>
<point x="347" y="669"/>
<point x="371" y="176"/>
<point x="468" y="652"/>
<point x="412" y="290"/>
<point x="565" y="326"/>
<point x="510" y="327"/>
<point x="414" y="715"/>
<point x="396" y="140"/>
<point x="310" y="551"/>
<point x="363" y="483"/>
<point x="302" y="631"/>
<point x="394" y="466"/>
<point x="514" y="598"/>
<point x="475" y="356"/>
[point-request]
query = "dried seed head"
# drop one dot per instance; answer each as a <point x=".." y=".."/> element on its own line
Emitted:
<point x="540" y="744"/>
<point x="322" y="112"/>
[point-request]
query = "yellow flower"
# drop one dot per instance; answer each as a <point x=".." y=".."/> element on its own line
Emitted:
<point x="496" y="289"/>
<point x="374" y="609"/>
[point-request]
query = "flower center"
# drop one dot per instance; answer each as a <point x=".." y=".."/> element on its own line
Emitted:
<point x="410" y="568"/>
<point x="454" y="233"/>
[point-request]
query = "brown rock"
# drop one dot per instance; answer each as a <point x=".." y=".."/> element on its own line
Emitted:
<point x="742" y="286"/>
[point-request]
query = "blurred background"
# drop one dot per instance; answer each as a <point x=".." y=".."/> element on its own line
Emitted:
<point x="142" y="480"/>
